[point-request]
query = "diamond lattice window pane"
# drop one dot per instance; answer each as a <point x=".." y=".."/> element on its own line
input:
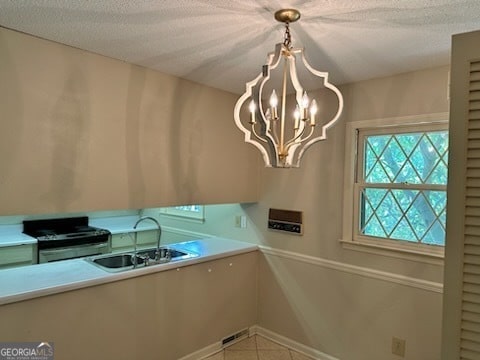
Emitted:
<point x="408" y="141"/>
<point x="435" y="235"/>
<point x="414" y="158"/>
<point x="409" y="209"/>
<point x="405" y="197"/>
<point x="378" y="175"/>
<point x="393" y="159"/>
<point x="404" y="231"/>
<point x="389" y="213"/>
<point x="439" y="141"/>
<point x="382" y="212"/>
<point x="374" y="228"/>
<point x="421" y="216"/>
<point x="403" y="214"/>
<point x="374" y="196"/>
<point x="374" y="170"/>
<point x="437" y="200"/>
<point x="378" y="143"/>
<point x="439" y="174"/>
<point x="408" y="174"/>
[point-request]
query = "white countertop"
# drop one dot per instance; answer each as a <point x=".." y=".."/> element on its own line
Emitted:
<point x="33" y="281"/>
<point x="11" y="235"/>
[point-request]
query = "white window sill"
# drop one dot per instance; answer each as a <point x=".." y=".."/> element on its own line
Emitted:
<point x="433" y="257"/>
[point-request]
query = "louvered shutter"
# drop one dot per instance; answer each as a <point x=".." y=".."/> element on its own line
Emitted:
<point x="461" y="311"/>
<point x="470" y="308"/>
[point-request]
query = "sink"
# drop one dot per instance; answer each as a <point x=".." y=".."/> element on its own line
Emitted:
<point x="117" y="261"/>
<point x="124" y="261"/>
<point x="174" y="254"/>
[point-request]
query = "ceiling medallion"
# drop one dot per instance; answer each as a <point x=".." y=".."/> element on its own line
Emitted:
<point x="283" y="141"/>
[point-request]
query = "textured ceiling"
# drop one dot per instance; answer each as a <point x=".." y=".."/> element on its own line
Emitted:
<point x="223" y="43"/>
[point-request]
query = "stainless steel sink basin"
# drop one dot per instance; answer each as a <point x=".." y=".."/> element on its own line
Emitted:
<point x="174" y="254"/>
<point x="124" y="261"/>
<point x="117" y="261"/>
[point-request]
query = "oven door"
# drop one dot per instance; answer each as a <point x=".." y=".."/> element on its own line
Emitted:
<point x="71" y="252"/>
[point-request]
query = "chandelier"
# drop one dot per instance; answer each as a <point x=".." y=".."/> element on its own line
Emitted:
<point x="283" y="141"/>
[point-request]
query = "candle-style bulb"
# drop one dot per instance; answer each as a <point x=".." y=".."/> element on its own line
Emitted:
<point x="273" y="99"/>
<point x="313" y="108"/>
<point x="296" y="116"/>
<point x="252" y="107"/>
<point x="305" y="100"/>
<point x="273" y="104"/>
<point x="296" y="113"/>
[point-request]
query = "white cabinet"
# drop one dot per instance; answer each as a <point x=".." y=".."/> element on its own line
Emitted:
<point x="17" y="255"/>
<point x="164" y="315"/>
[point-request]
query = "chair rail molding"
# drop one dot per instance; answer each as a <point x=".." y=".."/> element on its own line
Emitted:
<point x="356" y="270"/>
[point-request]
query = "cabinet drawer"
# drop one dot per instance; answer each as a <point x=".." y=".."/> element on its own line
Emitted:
<point x="16" y="255"/>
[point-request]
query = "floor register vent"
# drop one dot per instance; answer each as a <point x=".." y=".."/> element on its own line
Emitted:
<point x="230" y="340"/>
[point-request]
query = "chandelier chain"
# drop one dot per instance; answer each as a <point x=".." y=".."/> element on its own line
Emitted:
<point x="287" y="41"/>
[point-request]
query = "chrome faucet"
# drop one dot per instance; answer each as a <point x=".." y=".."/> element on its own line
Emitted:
<point x="134" y="256"/>
<point x="157" y="252"/>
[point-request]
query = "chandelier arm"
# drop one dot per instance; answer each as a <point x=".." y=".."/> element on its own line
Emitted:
<point x="298" y="96"/>
<point x="294" y="139"/>
<point x="273" y="130"/>
<point x="312" y="130"/>
<point x="258" y="136"/>
<point x="299" y="91"/>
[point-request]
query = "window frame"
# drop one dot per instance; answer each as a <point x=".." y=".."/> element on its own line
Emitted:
<point x="351" y="239"/>
<point x="187" y="215"/>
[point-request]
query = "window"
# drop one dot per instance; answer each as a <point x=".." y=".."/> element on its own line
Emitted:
<point x="188" y="212"/>
<point x="396" y="191"/>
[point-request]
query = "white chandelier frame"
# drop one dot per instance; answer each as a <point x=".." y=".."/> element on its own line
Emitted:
<point x="275" y="152"/>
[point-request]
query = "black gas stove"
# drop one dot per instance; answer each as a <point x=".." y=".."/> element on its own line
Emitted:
<point x="66" y="238"/>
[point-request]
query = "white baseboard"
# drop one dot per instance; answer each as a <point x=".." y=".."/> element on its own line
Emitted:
<point x="270" y="335"/>
<point x="291" y="344"/>
<point x="204" y="353"/>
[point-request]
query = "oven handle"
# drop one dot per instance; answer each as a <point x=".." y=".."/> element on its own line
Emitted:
<point x="66" y="249"/>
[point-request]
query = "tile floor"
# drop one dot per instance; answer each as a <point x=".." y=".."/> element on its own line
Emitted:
<point x="257" y="348"/>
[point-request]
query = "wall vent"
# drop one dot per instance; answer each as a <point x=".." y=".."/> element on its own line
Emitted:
<point x="230" y="340"/>
<point x="289" y="221"/>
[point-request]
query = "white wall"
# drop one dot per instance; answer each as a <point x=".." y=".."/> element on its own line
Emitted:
<point x="342" y="302"/>
<point x="83" y="132"/>
<point x="345" y="303"/>
<point x="348" y="314"/>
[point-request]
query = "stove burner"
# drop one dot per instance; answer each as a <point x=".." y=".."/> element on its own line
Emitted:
<point x="64" y="232"/>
